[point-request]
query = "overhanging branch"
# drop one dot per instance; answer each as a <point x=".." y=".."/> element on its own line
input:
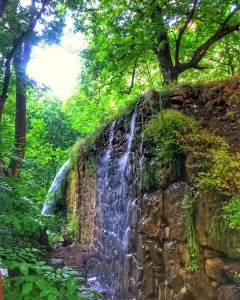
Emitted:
<point x="183" y="29"/>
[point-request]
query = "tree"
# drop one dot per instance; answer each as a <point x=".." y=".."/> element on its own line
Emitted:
<point x="125" y="34"/>
<point x="17" y="38"/>
<point x="21" y="62"/>
<point x="20" y="35"/>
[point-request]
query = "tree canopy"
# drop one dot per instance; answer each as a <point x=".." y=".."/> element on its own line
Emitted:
<point x="173" y="36"/>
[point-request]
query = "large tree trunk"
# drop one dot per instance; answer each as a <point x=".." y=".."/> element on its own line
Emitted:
<point x="167" y="69"/>
<point x="21" y="99"/>
<point x="163" y="53"/>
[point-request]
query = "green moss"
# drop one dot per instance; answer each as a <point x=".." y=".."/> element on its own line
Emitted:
<point x="220" y="168"/>
<point x="223" y="174"/>
<point x="82" y="144"/>
<point x="73" y="226"/>
<point x="164" y="128"/>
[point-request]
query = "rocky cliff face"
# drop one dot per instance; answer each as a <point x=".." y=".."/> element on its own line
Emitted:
<point x="133" y="214"/>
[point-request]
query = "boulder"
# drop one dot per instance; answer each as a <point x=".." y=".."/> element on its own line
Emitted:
<point x="152" y="210"/>
<point x="215" y="269"/>
<point x="171" y="256"/>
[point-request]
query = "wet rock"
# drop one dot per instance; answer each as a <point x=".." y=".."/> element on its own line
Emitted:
<point x="193" y="165"/>
<point x="173" y="200"/>
<point x="184" y="294"/>
<point x="142" y="249"/>
<point x="209" y="253"/>
<point x="231" y="270"/>
<point x="151" y="100"/>
<point x="56" y="262"/>
<point x="164" y="292"/>
<point x="228" y="292"/>
<point x="209" y="232"/>
<point x="156" y="258"/>
<point x="171" y="257"/>
<point x="215" y="269"/>
<point x="184" y="254"/>
<point x="152" y="208"/>
<point x="201" y="286"/>
<point x="147" y="284"/>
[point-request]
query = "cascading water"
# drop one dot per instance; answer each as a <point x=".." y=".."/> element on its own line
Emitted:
<point x="115" y="201"/>
<point x="54" y="191"/>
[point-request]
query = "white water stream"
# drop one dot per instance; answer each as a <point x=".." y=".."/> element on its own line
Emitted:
<point x="53" y="192"/>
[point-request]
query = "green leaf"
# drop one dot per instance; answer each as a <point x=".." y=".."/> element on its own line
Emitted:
<point x="52" y="297"/>
<point x="24" y="269"/>
<point x="27" y="288"/>
<point x="44" y="294"/>
<point x="42" y="284"/>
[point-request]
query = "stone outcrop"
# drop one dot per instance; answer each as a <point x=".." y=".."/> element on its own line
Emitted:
<point x="157" y="262"/>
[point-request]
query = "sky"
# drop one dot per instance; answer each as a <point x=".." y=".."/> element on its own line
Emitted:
<point x="58" y="66"/>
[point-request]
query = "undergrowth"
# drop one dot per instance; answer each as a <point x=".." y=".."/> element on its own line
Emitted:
<point x="30" y="277"/>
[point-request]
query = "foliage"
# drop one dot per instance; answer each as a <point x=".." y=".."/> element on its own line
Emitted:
<point x="128" y="41"/>
<point x="232" y="212"/>
<point x="58" y="125"/>
<point x="219" y="229"/>
<point x="164" y="128"/>
<point x="41" y="162"/>
<point x="201" y="140"/>
<point x="223" y="174"/>
<point x="89" y="115"/>
<point x="193" y="251"/>
<point x="31" y="278"/>
<point x="19" y="215"/>
<point x="220" y="167"/>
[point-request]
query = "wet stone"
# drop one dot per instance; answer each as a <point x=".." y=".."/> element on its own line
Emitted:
<point x="174" y="212"/>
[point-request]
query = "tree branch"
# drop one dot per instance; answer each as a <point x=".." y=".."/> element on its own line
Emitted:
<point x="201" y="51"/>
<point x="223" y="31"/>
<point x="183" y="29"/>
<point x="132" y="80"/>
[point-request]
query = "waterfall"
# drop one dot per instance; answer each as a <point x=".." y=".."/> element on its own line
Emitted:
<point x="54" y="190"/>
<point x="115" y="201"/>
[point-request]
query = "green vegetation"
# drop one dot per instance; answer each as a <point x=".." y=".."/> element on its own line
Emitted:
<point x="232" y="213"/>
<point x="215" y="165"/>
<point x="73" y="226"/>
<point x="132" y="46"/>
<point x="164" y="128"/>
<point x="31" y="278"/>
<point x="193" y="251"/>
